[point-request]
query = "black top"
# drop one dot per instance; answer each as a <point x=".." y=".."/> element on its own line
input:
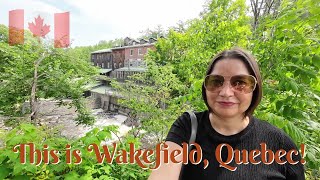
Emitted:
<point x="249" y="139"/>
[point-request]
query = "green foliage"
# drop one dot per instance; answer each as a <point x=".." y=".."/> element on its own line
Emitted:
<point x="148" y="96"/>
<point x="155" y="33"/>
<point x="11" y="167"/>
<point x="223" y="24"/>
<point x="59" y="75"/>
<point x="83" y="53"/>
<point x="285" y="43"/>
<point x="288" y="46"/>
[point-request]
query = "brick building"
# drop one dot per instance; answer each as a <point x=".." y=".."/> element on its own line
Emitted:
<point x="118" y="63"/>
<point x="135" y="51"/>
<point x="134" y="55"/>
<point x="102" y="58"/>
<point x="131" y="54"/>
<point x="118" y="54"/>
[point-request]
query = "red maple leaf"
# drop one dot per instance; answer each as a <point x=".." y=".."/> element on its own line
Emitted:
<point x="38" y="29"/>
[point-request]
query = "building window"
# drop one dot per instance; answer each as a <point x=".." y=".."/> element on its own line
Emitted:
<point x="131" y="52"/>
<point x="108" y="65"/>
<point x="139" y="51"/>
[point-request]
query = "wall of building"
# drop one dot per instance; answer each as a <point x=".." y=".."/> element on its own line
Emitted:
<point x="107" y="103"/>
<point x="102" y="60"/>
<point x="118" y="58"/>
<point x="135" y="55"/>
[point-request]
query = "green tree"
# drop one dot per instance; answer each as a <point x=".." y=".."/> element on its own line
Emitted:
<point x="285" y="40"/>
<point x="83" y="52"/>
<point x="288" y="46"/>
<point x="11" y="167"/>
<point x="223" y="24"/>
<point x="36" y="70"/>
<point x="149" y="96"/>
<point x="155" y="33"/>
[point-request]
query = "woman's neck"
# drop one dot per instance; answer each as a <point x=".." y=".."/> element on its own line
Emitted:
<point x="228" y="126"/>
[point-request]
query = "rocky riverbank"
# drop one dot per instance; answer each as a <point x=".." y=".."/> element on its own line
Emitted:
<point x="63" y="117"/>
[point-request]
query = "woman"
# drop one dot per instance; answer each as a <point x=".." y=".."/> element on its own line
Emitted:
<point x="232" y="89"/>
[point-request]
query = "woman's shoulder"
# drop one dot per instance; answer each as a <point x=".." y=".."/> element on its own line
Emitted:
<point x="180" y="130"/>
<point x="272" y="131"/>
<point x="264" y="125"/>
<point x="185" y="118"/>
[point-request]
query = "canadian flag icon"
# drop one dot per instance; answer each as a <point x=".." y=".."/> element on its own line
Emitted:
<point x="38" y="28"/>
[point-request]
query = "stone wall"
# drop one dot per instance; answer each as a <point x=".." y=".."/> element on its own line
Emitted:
<point x="107" y="103"/>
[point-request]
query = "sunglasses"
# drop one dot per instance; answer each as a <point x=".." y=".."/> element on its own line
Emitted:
<point x="240" y="83"/>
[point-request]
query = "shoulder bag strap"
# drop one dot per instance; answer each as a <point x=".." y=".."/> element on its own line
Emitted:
<point x="194" y="127"/>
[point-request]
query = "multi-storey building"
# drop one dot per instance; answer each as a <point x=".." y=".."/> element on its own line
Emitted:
<point x="125" y="58"/>
<point x="118" y="63"/>
<point x="118" y="54"/>
<point x="135" y="51"/>
<point x="102" y="58"/>
<point x="134" y="54"/>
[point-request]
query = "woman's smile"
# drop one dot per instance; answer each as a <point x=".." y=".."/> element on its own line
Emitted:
<point x="226" y="103"/>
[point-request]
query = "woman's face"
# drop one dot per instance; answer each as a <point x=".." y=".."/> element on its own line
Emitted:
<point x="228" y="103"/>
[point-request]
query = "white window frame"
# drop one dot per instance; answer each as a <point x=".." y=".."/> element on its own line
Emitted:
<point x="131" y="52"/>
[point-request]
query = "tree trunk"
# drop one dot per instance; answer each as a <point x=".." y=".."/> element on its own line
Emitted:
<point x="33" y="97"/>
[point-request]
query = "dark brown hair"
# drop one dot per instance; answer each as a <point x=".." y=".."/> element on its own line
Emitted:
<point x="253" y="68"/>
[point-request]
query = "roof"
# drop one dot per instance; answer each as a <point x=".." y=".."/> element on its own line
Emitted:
<point x="138" y="69"/>
<point x="105" y="70"/>
<point x="102" y="90"/>
<point x="102" y="51"/>
<point x="92" y="85"/>
<point x="119" y="47"/>
<point x="137" y="45"/>
<point x="143" y="40"/>
<point x="134" y="40"/>
<point x="130" y="46"/>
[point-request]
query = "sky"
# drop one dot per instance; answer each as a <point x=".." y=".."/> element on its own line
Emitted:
<point x="95" y="20"/>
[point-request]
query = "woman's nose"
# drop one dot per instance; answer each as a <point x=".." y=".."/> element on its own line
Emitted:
<point x="226" y="90"/>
